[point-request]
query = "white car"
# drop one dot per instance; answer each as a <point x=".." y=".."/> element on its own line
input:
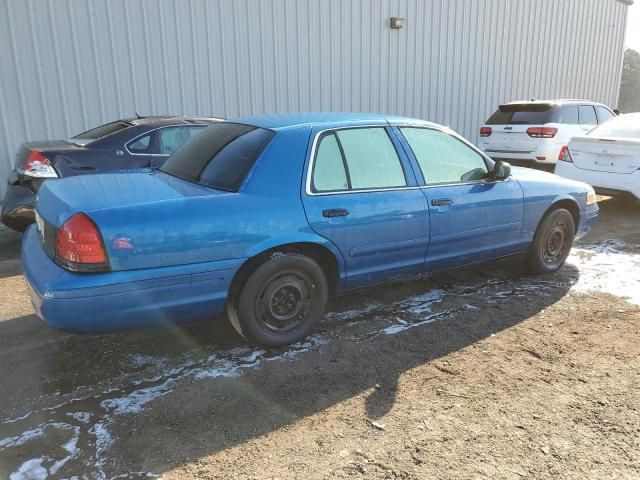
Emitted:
<point x="533" y="133"/>
<point x="607" y="158"/>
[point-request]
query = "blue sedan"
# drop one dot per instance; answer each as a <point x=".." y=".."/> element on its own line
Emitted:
<point x="265" y="217"/>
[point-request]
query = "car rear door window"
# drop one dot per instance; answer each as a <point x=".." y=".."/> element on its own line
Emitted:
<point x="171" y="139"/>
<point x="567" y="115"/>
<point x="443" y="158"/>
<point x="221" y="156"/>
<point x="604" y="114"/>
<point x="372" y="160"/>
<point x="141" y="145"/>
<point x="587" y="115"/>
<point x="329" y="172"/>
<point x="357" y="159"/>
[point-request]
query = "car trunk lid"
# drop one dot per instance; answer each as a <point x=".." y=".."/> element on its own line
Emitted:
<point x="135" y="212"/>
<point x="611" y="155"/>
<point x="49" y="148"/>
<point x="59" y="200"/>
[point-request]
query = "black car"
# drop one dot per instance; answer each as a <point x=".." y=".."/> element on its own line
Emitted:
<point x="121" y="145"/>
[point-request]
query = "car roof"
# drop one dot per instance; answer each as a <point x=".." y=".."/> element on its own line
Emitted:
<point x="281" y="121"/>
<point x="157" y="120"/>
<point x="557" y="102"/>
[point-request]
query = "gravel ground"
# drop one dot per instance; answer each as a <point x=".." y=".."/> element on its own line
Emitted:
<point x="483" y="372"/>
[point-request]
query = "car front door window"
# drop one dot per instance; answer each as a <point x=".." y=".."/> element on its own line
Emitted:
<point x="604" y="114"/>
<point x="443" y="158"/>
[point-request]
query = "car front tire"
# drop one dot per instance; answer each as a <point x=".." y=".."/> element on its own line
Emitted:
<point x="281" y="302"/>
<point x="552" y="242"/>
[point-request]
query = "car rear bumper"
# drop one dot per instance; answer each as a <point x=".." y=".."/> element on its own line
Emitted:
<point x="118" y="301"/>
<point x="17" y="206"/>
<point x="603" y="182"/>
<point x="545" y="154"/>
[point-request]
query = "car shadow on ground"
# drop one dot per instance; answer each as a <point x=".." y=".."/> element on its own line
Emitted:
<point x="367" y="341"/>
<point x="280" y="393"/>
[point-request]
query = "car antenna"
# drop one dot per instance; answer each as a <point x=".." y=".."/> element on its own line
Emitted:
<point x="138" y="115"/>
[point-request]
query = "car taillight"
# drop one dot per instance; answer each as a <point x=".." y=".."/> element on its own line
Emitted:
<point x="565" y="155"/>
<point x="79" y="245"/>
<point x="542" y="132"/>
<point x="38" y="166"/>
<point x="486" y="131"/>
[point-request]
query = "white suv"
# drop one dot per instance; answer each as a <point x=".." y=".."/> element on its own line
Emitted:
<point x="533" y="133"/>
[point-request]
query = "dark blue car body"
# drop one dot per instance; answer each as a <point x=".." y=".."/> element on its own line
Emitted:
<point x="189" y="240"/>
<point x="125" y="144"/>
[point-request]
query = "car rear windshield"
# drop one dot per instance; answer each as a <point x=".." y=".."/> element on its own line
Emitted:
<point x="521" y="114"/>
<point x="103" y="130"/>
<point x="220" y="156"/>
<point x="620" y="127"/>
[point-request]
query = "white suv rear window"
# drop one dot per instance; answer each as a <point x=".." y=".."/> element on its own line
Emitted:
<point x="521" y="114"/>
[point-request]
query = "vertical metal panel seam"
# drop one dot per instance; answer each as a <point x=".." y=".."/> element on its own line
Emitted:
<point x="129" y="54"/>
<point x="76" y="60"/>
<point x="196" y="66"/>
<point x="99" y="86"/>
<point x="116" y="78"/>
<point x="38" y="65"/>
<point x="16" y="69"/>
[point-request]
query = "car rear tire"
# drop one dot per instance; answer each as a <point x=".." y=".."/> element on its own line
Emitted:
<point x="552" y="242"/>
<point x="281" y="302"/>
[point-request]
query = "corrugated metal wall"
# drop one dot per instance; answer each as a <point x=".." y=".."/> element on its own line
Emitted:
<point x="68" y="65"/>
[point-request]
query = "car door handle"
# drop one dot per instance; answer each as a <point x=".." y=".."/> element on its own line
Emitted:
<point x="440" y="202"/>
<point x="335" y="212"/>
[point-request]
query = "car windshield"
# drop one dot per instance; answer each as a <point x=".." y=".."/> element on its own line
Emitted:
<point x="220" y="156"/>
<point x="521" y="114"/>
<point x="626" y="126"/>
<point x="102" y="131"/>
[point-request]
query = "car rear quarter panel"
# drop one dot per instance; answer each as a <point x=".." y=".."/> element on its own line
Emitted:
<point x="265" y="213"/>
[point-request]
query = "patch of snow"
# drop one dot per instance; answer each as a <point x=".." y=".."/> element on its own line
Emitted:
<point x="84" y="417"/>
<point x="611" y="267"/>
<point x="134" y="401"/>
<point x="23" y="438"/>
<point x="31" y="470"/>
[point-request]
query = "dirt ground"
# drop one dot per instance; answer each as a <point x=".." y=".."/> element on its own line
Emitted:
<point x="484" y="372"/>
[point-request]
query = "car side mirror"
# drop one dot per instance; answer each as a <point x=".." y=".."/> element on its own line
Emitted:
<point x="501" y="170"/>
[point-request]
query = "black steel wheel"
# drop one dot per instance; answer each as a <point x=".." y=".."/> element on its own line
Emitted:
<point x="281" y="302"/>
<point x="552" y="242"/>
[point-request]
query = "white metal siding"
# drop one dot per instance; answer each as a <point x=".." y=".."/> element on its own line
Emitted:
<point x="68" y="65"/>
